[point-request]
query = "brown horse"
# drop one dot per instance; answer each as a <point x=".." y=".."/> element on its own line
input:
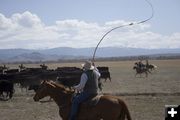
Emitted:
<point x="108" y="108"/>
<point x="141" y="71"/>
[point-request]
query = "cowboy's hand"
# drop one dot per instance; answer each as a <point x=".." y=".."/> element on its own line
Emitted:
<point x="75" y="89"/>
<point x="71" y="88"/>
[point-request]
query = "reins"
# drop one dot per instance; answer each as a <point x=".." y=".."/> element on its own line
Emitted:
<point x="130" y="24"/>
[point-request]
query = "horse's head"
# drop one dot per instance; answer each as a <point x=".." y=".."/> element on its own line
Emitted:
<point x="51" y="88"/>
<point x="42" y="91"/>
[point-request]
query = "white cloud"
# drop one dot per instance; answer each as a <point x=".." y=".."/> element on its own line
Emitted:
<point x="5" y="23"/>
<point x="27" y="30"/>
<point x="27" y="19"/>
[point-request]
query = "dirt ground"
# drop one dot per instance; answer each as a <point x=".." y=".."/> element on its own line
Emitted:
<point x="146" y="97"/>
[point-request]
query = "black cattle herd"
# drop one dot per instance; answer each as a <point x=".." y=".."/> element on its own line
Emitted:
<point x="30" y="78"/>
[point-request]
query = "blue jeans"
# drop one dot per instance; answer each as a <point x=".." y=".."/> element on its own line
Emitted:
<point x="83" y="96"/>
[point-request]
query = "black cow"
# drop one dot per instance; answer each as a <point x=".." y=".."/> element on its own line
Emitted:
<point x="68" y="69"/>
<point x="68" y="81"/>
<point x="1" y="71"/>
<point x="34" y="87"/>
<point x="105" y="75"/>
<point x="8" y="87"/>
<point x="70" y="76"/>
<point x="11" y="71"/>
<point x="103" y="68"/>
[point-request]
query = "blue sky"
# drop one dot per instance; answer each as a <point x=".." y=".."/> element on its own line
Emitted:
<point x="39" y="24"/>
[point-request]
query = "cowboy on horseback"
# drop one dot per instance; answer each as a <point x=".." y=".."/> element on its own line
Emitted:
<point x="141" y="65"/>
<point x="87" y="87"/>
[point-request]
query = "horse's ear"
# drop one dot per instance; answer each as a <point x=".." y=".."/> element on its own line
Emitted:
<point x="44" y="81"/>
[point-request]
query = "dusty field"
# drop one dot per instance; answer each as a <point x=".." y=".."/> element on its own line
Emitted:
<point x="145" y="97"/>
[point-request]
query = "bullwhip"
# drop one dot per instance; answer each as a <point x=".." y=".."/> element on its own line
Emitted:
<point x="133" y="23"/>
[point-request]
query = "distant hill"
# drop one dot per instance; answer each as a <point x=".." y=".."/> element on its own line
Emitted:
<point x="13" y="55"/>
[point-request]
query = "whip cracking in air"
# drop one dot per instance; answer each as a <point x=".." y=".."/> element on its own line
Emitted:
<point x="130" y="24"/>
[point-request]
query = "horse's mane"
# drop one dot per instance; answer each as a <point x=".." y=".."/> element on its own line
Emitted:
<point x="60" y="86"/>
<point x="57" y="85"/>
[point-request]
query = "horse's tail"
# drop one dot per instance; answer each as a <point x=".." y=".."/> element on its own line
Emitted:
<point x="124" y="112"/>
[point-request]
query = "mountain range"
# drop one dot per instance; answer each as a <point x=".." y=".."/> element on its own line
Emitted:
<point x="63" y="53"/>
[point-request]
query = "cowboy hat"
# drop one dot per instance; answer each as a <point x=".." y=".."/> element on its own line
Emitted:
<point x="88" y="65"/>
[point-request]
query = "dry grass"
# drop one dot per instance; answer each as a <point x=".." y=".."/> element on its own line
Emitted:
<point x="146" y="97"/>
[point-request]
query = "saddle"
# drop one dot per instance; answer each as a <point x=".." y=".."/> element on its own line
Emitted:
<point x="92" y="101"/>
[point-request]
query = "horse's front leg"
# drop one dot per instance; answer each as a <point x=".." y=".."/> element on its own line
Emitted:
<point x="146" y="74"/>
<point x="105" y="79"/>
<point x="149" y="71"/>
<point x="7" y="94"/>
<point x="1" y="94"/>
<point x="110" y="79"/>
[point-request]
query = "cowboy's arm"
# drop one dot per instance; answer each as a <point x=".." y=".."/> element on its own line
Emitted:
<point x="82" y="83"/>
<point x="98" y="74"/>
